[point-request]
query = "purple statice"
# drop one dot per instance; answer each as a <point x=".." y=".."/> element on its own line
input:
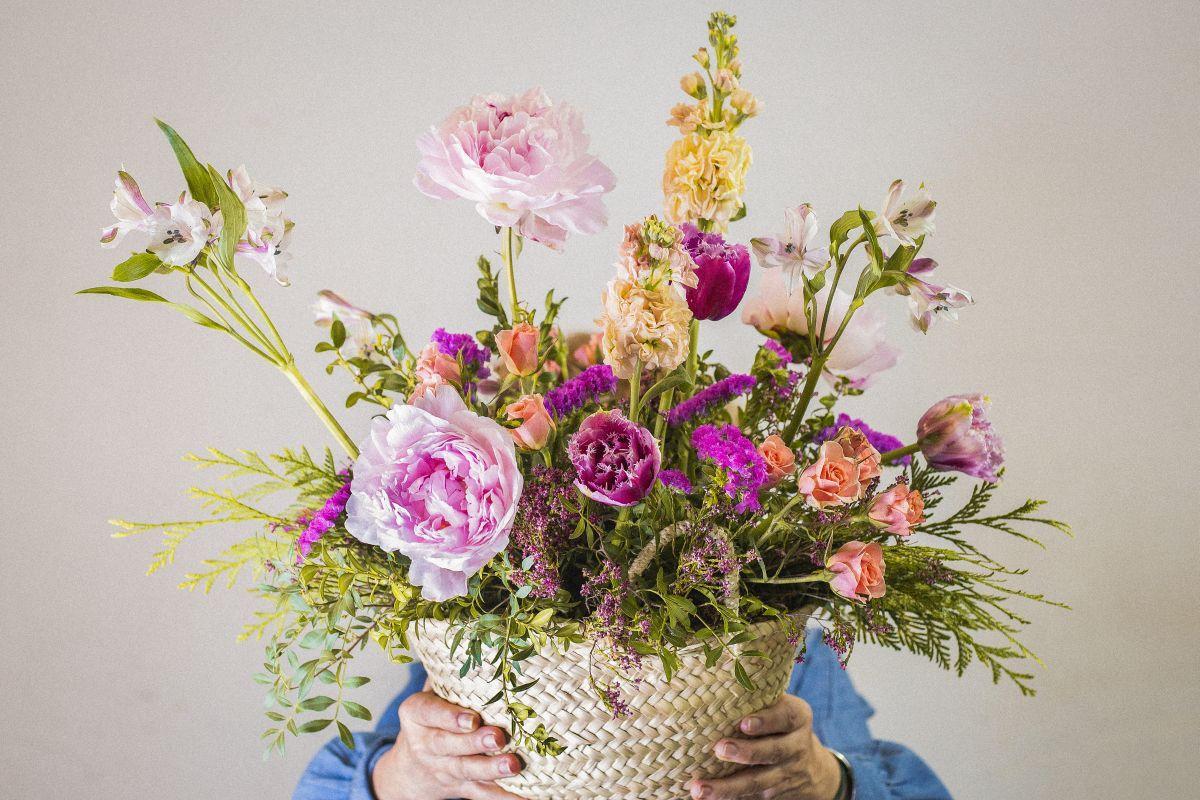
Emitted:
<point x="463" y="346"/>
<point x="745" y="469"/>
<point x="605" y="591"/>
<point x="880" y="441"/>
<point x="785" y="356"/>
<point x="577" y="392"/>
<point x="712" y="396"/>
<point x="711" y="561"/>
<point x="611" y="695"/>
<point x="933" y="572"/>
<point x="546" y="516"/>
<point x="674" y="479"/>
<point x="319" y="522"/>
<point x="840" y="639"/>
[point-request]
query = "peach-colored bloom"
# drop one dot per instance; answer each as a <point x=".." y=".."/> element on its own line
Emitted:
<point x="780" y="459"/>
<point x="432" y="363"/>
<point x="898" y="510"/>
<point x="857" y="570"/>
<point x="519" y="349"/>
<point x="536" y="424"/>
<point x="587" y="349"/>
<point x="832" y="480"/>
<point x="855" y="445"/>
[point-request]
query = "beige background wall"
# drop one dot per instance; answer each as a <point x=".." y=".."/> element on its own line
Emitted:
<point x="1059" y="137"/>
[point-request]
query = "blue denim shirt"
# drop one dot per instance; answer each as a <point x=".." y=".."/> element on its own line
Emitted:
<point x="882" y="770"/>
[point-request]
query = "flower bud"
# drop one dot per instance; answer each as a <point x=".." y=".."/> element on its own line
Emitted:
<point x="735" y="66"/>
<point x="693" y="85"/>
<point x="519" y="349"/>
<point x="536" y="424"/>
<point x="725" y="80"/>
<point x="702" y="57"/>
<point x="744" y="103"/>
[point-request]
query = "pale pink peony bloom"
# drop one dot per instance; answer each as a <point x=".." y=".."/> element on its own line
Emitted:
<point x="779" y="458"/>
<point x="906" y="219"/>
<point x="519" y="347"/>
<point x="536" y="423"/>
<point x="898" y="510"/>
<point x="859" y="355"/>
<point x="857" y="569"/>
<point x="796" y="251"/>
<point x="360" y="329"/>
<point x="523" y="161"/>
<point x="440" y="484"/>
<point x="831" y="480"/>
<point x="134" y="215"/>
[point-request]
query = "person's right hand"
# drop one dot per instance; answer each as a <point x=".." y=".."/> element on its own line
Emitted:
<point x="441" y="753"/>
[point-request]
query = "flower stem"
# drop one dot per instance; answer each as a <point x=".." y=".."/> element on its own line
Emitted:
<point x="508" y="254"/>
<point x="322" y="411"/>
<point x="900" y="452"/>
<point x="635" y="390"/>
<point x="664" y="405"/>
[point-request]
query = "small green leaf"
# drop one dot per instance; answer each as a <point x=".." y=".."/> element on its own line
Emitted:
<point x="233" y="218"/>
<point x="355" y="710"/>
<point x="319" y="703"/>
<point x="355" y="682"/>
<point x="345" y="735"/>
<point x="136" y="267"/>
<point x="839" y="232"/>
<point x="337" y="333"/>
<point x="314" y="725"/>
<point x="147" y="296"/>
<point x="196" y="175"/>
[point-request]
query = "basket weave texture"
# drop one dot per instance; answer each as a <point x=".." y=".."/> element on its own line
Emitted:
<point x="666" y="740"/>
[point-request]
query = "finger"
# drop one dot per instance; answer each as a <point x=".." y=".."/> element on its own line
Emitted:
<point x="484" y="768"/>
<point x="483" y="790"/>
<point x="430" y="711"/>
<point x="445" y="743"/>
<point x="765" y="750"/>
<point x="750" y="782"/>
<point x="789" y="714"/>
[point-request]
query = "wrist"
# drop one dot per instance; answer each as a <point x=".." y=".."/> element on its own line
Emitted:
<point x="845" y="790"/>
<point x="384" y="786"/>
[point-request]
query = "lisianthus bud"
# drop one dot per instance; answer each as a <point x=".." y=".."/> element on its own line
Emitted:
<point x="722" y="273"/>
<point x="519" y="348"/>
<point x="725" y="80"/>
<point x="779" y="458"/>
<point x="701" y="57"/>
<point x="694" y="85"/>
<point x="897" y="510"/>
<point x="616" y="461"/>
<point x="744" y="103"/>
<point x="956" y="435"/>
<point x="536" y="424"/>
<point x="857" y="569"/>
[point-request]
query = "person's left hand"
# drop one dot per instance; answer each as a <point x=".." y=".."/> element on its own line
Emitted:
<point x="783" y="757"/>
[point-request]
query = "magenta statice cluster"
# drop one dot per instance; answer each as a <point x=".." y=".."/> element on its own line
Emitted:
<point x="729" y="449"/>
<point x="722" y="272"/>
<point x="546" y="516"/>
<point x="784" y="355"/>
<point x="463" y="346"/>
<point x="586" y="387"/>
<point x="882" y="442"/>
<point x="713" y="396"/>
<point x="616" y="461"/>
<point x="322" y="520"/>
<point x="675" y="479"/>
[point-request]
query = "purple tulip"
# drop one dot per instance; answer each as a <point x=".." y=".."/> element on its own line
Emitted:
<point x="722" y="272"/>
<point x="956" y="436"/>
<point x="616" y="461"/>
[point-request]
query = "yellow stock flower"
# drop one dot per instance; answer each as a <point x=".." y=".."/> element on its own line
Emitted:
<point x="706" y="177"/>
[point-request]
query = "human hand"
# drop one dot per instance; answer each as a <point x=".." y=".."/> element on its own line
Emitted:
<point x="440" y="753"/>
<point x="783" y="757"/>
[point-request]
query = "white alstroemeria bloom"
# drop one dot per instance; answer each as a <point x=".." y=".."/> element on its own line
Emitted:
<point x="928" y="301"/>
<point x="360" y="330"/>
<point x="134" y="215"/>
<point x="908" y="219"/>
<point x="268" y="249"/>
<point x="268" y="231"/>
<point x="181" y="230"/>
<point x="795" y="252"/>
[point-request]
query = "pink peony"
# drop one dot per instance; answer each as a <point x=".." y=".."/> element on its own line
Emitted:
<point x="523" y="161"/>
<point x="897" y="510"/>
<point x="857" y="571"/>
<point x="440" y="484"/>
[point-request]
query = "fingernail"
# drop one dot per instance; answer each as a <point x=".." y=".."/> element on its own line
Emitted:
<point x="507" y="767"/>
<point x="751" y="724"/>
<point x="700" y="791"/>
<point x="490" y="741"/>
<point x="466" y="721"/>
<point x="727" y="750"/>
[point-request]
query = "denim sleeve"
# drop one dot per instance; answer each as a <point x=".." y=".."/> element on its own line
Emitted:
<point x="882" y="770"/>
<point x="339" y="773"/>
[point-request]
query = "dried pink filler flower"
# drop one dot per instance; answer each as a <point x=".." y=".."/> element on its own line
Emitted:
<point x="546" y="516"/>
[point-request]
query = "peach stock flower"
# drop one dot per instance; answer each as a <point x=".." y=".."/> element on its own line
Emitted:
<point x="780" y="459"/>
<point x="897" y="510"/>
<point x="857" y="570"/>
<point x="832" y="480"/>
<point x="646" y="324"/>
<point x="519" y="348"/>
<point x="536" y="424"/>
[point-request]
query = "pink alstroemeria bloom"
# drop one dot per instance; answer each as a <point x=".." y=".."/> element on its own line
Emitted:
<point x="268" y="232"/>
<point x="858" y="356"/>
<point x="906" y="219"/>
<point x="523" y="161"/>
<point x="181" y="230"/>
<point x="440" y="484"/>
<point x="926" y="300"/>
<point x="360" y="329"/>
<point x="796" y="251"/>
<point x="134" y="215"/>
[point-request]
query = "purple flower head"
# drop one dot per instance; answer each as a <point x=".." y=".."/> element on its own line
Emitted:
<point x="729" y="449"/>
<point x="576" y="393"/>
<point x="546" y="517"/>
<point x="322" y="520"/>
<point x="785" y="355"/>
<point x="880" y="441"/>
<point x="674" y="479"/>
<point x="463" y="346"/>
<point x="957" y="436"/>
<point x="712" y="396"/>
<point x="722" y="272"/>
<point x="616" y="461"/>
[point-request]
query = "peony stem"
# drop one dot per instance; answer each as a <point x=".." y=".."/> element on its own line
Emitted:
<point x="508" y="254"/>
<point x="900" y="452"/>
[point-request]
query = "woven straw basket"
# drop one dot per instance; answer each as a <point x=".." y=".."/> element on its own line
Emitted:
<point x="666" y="740"/>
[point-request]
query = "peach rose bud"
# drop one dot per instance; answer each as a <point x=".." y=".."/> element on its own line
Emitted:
<point x="519" y="349"/>
<point x="857" y="571"/>
<point x="832" y="480"/>
<point x="780" y="459"/>
<point x="536" y="424"/>
<point x="897" y="510"/>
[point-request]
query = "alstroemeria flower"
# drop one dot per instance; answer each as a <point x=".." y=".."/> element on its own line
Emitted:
<point x="134" y="215"/>
<point x="907" y="219"/>
<point x="360" y="330"/>
<point x="181" y="230"/>
<point x="926" y="300"/>
<point x="796" y="251"/>
<point x="268" y="231"/>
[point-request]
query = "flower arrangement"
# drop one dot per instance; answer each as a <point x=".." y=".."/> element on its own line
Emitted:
<point x="619" y="487"/>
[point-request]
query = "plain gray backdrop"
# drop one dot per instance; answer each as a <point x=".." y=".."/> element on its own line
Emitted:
<point x="1060" y="139"/>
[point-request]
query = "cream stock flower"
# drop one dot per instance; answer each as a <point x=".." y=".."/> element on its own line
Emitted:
<point x="649" y="323"/>
<point x="706" y="177"/>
